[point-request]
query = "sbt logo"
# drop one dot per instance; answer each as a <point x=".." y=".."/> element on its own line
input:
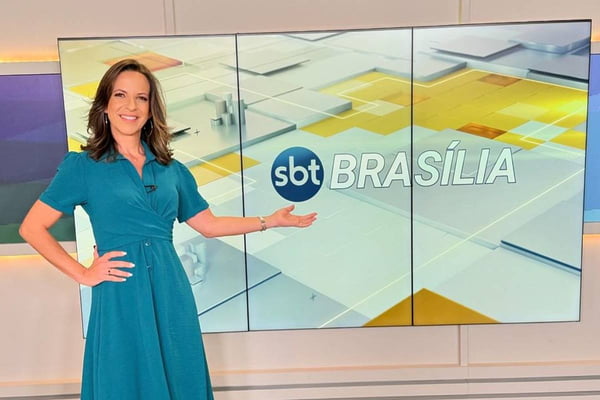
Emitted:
<point x="297" y="174"/>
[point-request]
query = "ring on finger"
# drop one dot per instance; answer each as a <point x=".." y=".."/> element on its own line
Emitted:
<point x="109" y="272"/>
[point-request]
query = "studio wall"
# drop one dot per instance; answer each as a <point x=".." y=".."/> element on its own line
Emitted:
<point x="40" y="356"/>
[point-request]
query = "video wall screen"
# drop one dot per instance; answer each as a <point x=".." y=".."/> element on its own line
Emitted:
<point x="189" y="70"/>
<point x="499" y="172"/>
<point x="32" y="144"/>
<point x="446" y="165"/>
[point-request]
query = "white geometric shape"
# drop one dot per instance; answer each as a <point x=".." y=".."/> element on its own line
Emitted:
<point x="475" y="46"/>
<point x="302" y="107"/>
<point x="568" y="66"/>
<point x="539" y="130"/>
<point x="510" y="287"/>
<point x="555" y="234"/>
<point x="326" y="72"/>
<point x="254" y="89"/>
<point x="428" y="68"/>
<point x="313" y="36"/>
<point x="555" y="38"/>
<point x="265" y="61"/>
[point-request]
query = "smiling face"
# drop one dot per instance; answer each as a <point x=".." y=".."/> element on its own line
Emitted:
<point x="128" y="107"/>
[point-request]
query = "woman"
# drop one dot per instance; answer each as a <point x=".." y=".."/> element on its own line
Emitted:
<point x="144" y="340"/>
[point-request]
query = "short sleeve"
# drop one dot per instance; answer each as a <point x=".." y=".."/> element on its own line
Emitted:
<point x="190" y="200"/>
<point x="67" y="189"/>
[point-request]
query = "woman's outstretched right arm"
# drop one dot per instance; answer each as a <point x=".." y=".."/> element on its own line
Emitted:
<point x="35" y="230"/>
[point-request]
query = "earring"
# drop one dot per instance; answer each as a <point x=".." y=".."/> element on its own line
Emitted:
<point x="150" y="125"/>
<point x="105" y="119"/>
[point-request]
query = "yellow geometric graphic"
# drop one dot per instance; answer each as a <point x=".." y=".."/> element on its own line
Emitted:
<point x="501" y="121"/>
<point x="388" y="123"/>
<point x="430" y="309"/>
<point x="523" y="110"/>
<point x="468" y="96"/>
<point x="442" y="121"/>
<point x="74" y="145"/>
<point x="571" y="138"/>
<point x="573" y="107"/>
<point x="481" y="130"/>
<point x="376" y="100"/>
<point x="572" y="120"/>
<point x="559" y="118"/>
<point x="383" y="88"/>
<point x="500" y="80"/>
<point x="87" y="89"/>
<point x="220" y="167"/>
<point x="341" y="122"/>
<point x="434" y="309"/>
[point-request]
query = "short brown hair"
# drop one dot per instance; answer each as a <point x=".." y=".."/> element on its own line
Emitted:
<point x="155" y="132"/>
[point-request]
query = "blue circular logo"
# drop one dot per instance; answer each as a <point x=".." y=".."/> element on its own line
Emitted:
<point x="297" y="174"/>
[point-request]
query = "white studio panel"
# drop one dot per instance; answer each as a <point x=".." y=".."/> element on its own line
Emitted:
<point x="192" y="16"/>
<point x="29" y="28"/>
<point x="333" y="348"/>
<point x="23" y="68"/>
<point x="40" y="339"/>
<point x="532" y="10"/>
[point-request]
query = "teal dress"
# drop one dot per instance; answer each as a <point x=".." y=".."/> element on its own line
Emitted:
<point x="144" y="340"/>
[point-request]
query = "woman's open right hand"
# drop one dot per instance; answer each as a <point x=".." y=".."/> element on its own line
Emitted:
<point x="105" y="269"/>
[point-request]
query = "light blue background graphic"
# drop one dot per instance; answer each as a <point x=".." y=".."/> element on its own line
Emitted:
<point x="592" y="161"/>
<point x="297" y="174"/>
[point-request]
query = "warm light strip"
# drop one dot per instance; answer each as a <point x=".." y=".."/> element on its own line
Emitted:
<point x="54" y="57"/>
<point x="29" y="58"/>
<point x="41" y="382"/>
<point x="25" y="257"/>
